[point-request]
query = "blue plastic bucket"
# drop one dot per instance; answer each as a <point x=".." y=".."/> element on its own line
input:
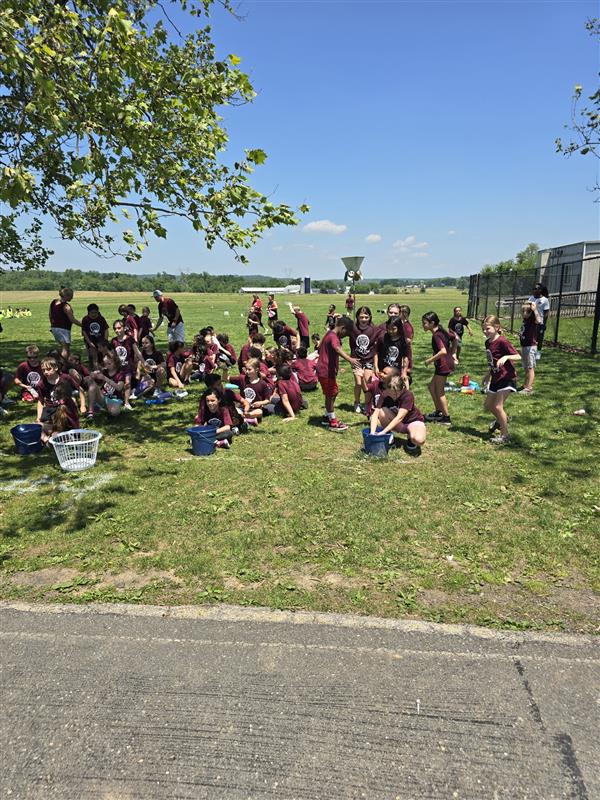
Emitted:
<point x="28" y="439"/>
<point x="375" y="444"/>
<point x="204" y="439"/>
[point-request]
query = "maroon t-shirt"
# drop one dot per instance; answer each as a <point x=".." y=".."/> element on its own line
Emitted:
<point x="216" y="418"/>
<point x="168" y="308"/>
<point x="72" y="413"/>
<point x="404" y="400"/>
<point x="244" y="355"/>
<point x="305" y="369"/>
<point x="176" y="362"/>
<point x="58" y="315"/>
<point x="284" y="339"/>
<point x="375" y="387"/>
<point x="389" y="353"/>
<point x="28" y="374"/>
<point x="46" y="390"/>
<point x="495" y="350"/>
<point x="528" y="334"/>
<point x="95" y="329"/>
<point x="409" y="333"/>
<point x="329" y="358"/>
<point x="291" y="387"/>
<point x="444" y="365"/>
<point x="253" y="392"/>
<point x="124" y="350"/>
<point x="363" y="342"/>
<point x="118" y="377"/>
<point x="303" y="323"/>
<point x="144" y="326"/>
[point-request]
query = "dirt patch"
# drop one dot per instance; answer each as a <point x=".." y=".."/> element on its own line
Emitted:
<point x="283" y="548"/>
<point x="581" y="601"/>
<point x="42" y="578"/>
<point x="337" y="581"/>
<point x="129" y="579"/>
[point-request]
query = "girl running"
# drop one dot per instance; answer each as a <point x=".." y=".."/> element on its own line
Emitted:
<point x="444" y="366"/>
<point x="501" y="379"/>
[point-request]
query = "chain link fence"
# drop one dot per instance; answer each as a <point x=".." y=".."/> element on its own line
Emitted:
<point x="573" y="292"/>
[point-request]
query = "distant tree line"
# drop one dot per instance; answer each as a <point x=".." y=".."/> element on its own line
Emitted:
<point x="93" y="281"/>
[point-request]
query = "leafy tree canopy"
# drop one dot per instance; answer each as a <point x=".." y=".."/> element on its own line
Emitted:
<point x="585" y="119"/>
<point x="523" y="262"/>
<point x="108" y="114"/>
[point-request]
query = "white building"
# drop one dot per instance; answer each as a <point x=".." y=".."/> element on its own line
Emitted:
<point x="294" y="288"/>
<point x="582" y="263"/>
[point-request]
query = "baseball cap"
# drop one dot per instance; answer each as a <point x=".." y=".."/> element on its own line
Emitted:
<point x="157" y="293"/>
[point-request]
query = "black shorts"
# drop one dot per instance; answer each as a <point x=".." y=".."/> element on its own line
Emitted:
<point x="505" y="385"/>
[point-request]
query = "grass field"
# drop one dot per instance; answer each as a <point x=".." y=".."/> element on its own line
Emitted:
<point x="295" y="517"/>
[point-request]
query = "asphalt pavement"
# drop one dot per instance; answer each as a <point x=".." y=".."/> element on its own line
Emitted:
<point x="128" y="702"/>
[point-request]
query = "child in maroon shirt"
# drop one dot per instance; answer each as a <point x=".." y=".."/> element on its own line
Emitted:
<point x="256" y="391"/>
<point x="29" y="373"/>
<point x="528" y="336"/>
<point x="444" y="366"/>
<point x="396" y="411"/>
<point x="502" y="378"/>
<point x="288" y="391"/>
<point x="93" y="328"/>
<point x="330" y="350"/>
<point x="214" y="412"/>
<point x="305" y="369"/>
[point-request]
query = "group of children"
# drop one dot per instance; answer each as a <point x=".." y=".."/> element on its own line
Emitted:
<point x="124" y="364"/>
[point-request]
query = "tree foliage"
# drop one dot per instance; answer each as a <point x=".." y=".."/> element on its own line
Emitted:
<point x="525" y="261"/>
<point x="108" y="114"/>
<point x="585" y="119"/>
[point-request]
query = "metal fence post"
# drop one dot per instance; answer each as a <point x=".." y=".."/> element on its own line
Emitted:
<point x="559" y="306"/>
<point x="512" y="311"/>
<point x="596" y="323"/>
<point x="487" y="293"/>
<point x="499" y="293"/>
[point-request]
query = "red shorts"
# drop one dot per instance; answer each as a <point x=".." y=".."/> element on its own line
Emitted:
<point x="329" y="386"/>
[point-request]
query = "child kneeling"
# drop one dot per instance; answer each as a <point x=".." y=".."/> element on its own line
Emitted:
<point x="213" y="411"/>
<point x="395" y="412"/>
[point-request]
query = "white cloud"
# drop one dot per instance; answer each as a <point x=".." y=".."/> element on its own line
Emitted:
<point x="409" y="244"/>
<point x="451" y="233"/>
<point x="404" y="244"/>
<point x="420" y="254"/>
<point x="325" y="226"/>
<point x="372" y="238"/>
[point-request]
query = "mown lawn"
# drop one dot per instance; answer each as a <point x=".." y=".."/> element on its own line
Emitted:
<point x="296" y="517"/>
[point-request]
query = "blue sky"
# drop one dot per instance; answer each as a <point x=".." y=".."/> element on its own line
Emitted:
<point x="420" y="133"/>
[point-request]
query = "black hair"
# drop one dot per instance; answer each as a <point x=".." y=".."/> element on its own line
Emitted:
<point x="212" y="379"/>
<point x="400" y="342"/>
<point x="218" y="393"/>
<point x="131" y="307"/>
<point x="258" y="338"/>
<point x="93" y="307"/>
<point x="223" y="338"/>
<point x="364" y="310"/>
<point x="278" y="327"/>
<point x="284" y="371"/>
<point x="301" y="352"/>
<point x="345" y="323"/>
<point x="205" y="332"/>
<point x="431" y="317"/>
<point x="255" y="352"/>
<point x="174" y="346"/>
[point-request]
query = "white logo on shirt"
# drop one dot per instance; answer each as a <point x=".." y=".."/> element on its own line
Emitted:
<point x="33" y="378"/>
<point x="215" y="422"/>
<point x="362" y="344"/>
<point x="249" y="394"/>
<point x="94" y="328"/>
<point x="122" y="353"/>
<point x="392" y="355"/>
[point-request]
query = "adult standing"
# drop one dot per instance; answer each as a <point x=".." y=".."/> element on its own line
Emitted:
<point x="167" y="307"/>
<point x="272" y="310"/>
<point x="62" y="319"/>
<point x="542" y="303"/>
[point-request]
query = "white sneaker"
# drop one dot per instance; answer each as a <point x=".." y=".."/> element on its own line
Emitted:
<point x="133" y="396"/>
<point x="127" y="407"/>
<point x="181" y="393"/>
<point x="156" y="392"/>
<point x="358" y="409"/>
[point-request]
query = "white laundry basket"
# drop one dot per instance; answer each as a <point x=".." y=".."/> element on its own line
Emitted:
<point x="76" y="450"/>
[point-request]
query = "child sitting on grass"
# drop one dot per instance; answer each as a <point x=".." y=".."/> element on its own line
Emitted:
<point x="179" y="367"/>
<point x="108" y="383"/>
<point x="28" y="373"/>
<point x="214" y="412"/>
<point x="290" y="400"/>
<point x="256" y="391"/>
<point x="305" y="369"/>
<point x="49" y="397"/>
